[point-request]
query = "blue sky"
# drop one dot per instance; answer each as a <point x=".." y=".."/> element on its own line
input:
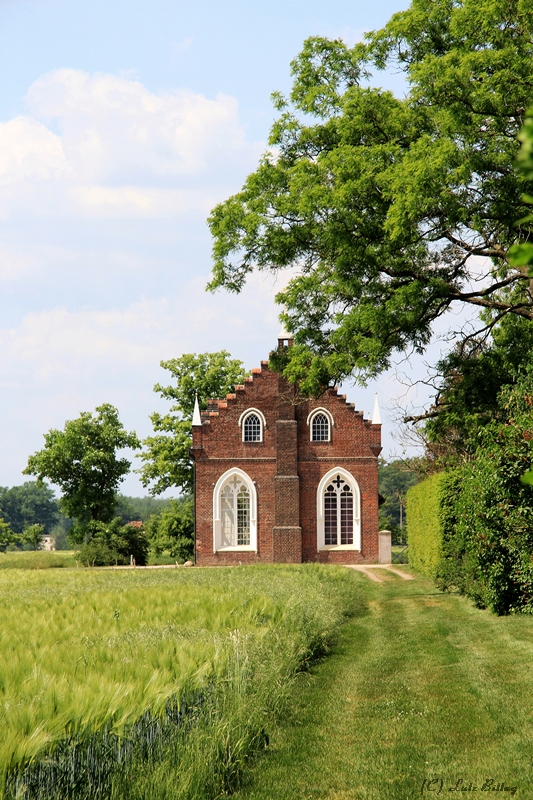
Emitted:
<point x="121" y="125"/>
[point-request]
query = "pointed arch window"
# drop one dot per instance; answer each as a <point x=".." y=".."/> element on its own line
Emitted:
<point x="252" y="429"/>
<point x="338" y="512"/>
<point x="320" y="428"/>
<point x="234" y="512"/>
<point x="253" y="423"/>
<point x="320" y="424"/>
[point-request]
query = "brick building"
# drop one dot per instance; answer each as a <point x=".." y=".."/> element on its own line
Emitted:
<point x="277" y="480"/>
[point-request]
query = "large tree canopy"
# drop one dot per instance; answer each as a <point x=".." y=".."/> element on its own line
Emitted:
<point x="380" y="203"/>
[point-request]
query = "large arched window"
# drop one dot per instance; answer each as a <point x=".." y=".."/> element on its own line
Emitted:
<point x="338" y="512"/>
<point x="320" y="423"/>
<point x="252" y="423"/>
<point x="234" y="512"/>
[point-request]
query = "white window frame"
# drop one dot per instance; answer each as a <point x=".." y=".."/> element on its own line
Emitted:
<point x="321" y="536"/>
<point x="217" y="523"/>
<point x="262" y="421"/>
<point x="310" y="419"/>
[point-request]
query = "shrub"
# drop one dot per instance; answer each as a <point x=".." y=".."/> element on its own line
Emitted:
<point x="109" y="543"/>
<point x="172" y="530"/>
<point x="424" y="527"/>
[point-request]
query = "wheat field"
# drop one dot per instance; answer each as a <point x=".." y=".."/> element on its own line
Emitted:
<point x="149" y="668"/>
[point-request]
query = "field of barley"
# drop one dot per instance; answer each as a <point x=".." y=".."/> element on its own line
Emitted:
<point x="152" y="684"/>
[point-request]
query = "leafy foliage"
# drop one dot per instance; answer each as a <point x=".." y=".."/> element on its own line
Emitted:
<point x="167" y="462"/>
<point x="488" y="511"/>
<point x="139" y="508"/>
<point x="395" y="478"/>
<point x="82" y="461"/>
<point x="7" y="537"/>
<point x="380" y="202"/>
<point x="33" y="503"/>
<point x="109" y="543"/>
<point x="33" y="536"/>
<point x="472" y="376"/>
<point x="172" y="530"/>
<point x="521" y="253"/>
<point x="424" y="526"/>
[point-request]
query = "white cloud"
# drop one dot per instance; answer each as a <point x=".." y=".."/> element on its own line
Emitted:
<point x="16" y="264"/>
<point x="29" y="150"/>
<point x="182" y="46"/>
<point x="55" y="363"/>
<point x="105" y="145"/>
<point x="59" y="344"/>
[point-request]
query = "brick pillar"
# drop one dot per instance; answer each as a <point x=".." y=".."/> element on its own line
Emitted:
<point x="286" y="533"/>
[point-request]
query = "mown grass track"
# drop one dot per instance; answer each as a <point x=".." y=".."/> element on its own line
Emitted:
<point x="420" y="687"/>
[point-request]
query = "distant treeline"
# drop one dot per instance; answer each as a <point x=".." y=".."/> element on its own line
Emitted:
<point x="35" y="503"/>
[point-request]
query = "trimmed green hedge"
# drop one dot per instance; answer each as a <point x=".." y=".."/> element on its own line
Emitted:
<point x="471" y="528"/>
<point x="488" y="534"/>
<point x="424" y="527"/>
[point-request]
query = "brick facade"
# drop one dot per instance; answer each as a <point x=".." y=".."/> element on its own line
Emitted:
<point x="284" y="472"/>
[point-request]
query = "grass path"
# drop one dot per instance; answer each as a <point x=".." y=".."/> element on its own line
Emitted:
<point x="420" y="687"/>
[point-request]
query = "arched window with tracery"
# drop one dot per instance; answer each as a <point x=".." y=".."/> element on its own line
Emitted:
<point x="253" y="423"/>
<point x="320" y="428"/>
<point x="320" y="424"/>
<point x="338" y="511"/>
<point x="234" y="512"/>
<point x="252" y="429"/>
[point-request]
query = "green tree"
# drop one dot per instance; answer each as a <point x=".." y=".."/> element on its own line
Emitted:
<point x="82" y="460"/>
<point x="521" y="253"/>
<point x="7" y="537"/>
<point x="395" y="478"/>
<point x="59" y="534"/>
<point x="33" y="535"/>
<point x="172" y="530"/>
<point x="109" y="543"/>
<point x="468" y="382"/>
<point x="139" y="508"/>
<point x="471" y="377"/>
<point x="381" y="202"/>
<point x="32" y="503"/>
<point x="167" y="462"/>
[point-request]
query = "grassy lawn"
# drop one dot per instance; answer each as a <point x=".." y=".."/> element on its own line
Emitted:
<point x="40" y="559"/>
<point x="399" y="554"/>
<point x="420" y="687"/>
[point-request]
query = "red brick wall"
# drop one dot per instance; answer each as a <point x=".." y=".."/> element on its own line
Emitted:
<point x="286" y="468"/>
<point x="349" y="447"/>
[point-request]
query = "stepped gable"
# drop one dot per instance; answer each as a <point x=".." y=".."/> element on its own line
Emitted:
<point x="214" y="406"/>
<point x="221" y="433"/>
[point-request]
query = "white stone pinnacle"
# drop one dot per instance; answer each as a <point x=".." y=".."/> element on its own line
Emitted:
<point x="196" y="418"/>
<point x="376" y="416"/>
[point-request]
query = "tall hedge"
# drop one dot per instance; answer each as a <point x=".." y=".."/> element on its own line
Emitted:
<point x="487" y="512"/>
<point x="424" y="526"/>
